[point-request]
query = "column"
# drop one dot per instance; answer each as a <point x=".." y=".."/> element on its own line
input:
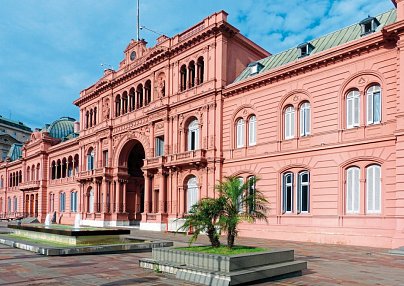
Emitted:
<point x="151" y="139"/>
<point x="162" y="193"/>
<point x="147" y="189"/>
<point x="104" y="208"/>
<point x="166" y="135"/>
<point x="118" y="197"/>
<point x="96" y="192"/>
<point x="180" y="200"/>
<point x="124" y="196"/>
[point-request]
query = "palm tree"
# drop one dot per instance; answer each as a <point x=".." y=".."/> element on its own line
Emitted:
<point x="203" y="217"/>
<point x="240" y="202"/>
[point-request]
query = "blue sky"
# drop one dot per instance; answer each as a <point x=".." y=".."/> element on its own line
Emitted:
<point x="51" y="50"/>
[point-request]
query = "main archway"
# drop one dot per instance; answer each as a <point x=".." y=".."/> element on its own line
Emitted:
<point x="130" y="173"/>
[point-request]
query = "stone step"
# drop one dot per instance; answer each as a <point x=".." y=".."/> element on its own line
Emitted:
<point x="397" y="251"/>
<point x="202" y="276"/>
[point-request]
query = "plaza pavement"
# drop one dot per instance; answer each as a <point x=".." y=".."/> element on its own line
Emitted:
<point x="327" y="265"/>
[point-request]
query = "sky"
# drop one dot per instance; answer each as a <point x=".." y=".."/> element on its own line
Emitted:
<point x="50" y="50"/>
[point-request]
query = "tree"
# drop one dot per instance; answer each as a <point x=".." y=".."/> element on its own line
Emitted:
<point x="240" y="202"/>
<point x="203" y="217"/>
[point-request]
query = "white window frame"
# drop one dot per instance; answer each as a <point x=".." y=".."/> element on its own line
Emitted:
<point x="305" y="119"/>
<point x="371" y="113"/>
<point x="193" y="135"/>
<point x="302" y="184"/>
<point x="62" y="202"/>
<point x="73" y="202"/>
<point x="285" y="195"/>
<point x="159" y="146"/>
<point x="240" y="133"/>
<point x="289" y="122"/>
<point x="352" y="190"/>
<point x="373" y="189"/>
<point x="90" y="160"/>
<point x="91" y="201"/>
<point x="252" y="130"/>
<point x="192" y="192"/>
<point x="353" y="108"/>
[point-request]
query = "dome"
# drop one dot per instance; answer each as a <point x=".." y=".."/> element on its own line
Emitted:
<point x="62" y="127"/>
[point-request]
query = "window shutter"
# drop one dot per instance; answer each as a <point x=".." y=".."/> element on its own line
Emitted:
<point x="307" y="120"/>
<point x="356" y="191"/>
<point x="292" y="124"/>
<point x="349" y="191"/>
<point x="299" y="194"/>
<point x="291" y="192"/>
<point x="302" y="121"/>
<point x="308" y="192"/>
<point x="252" y="131"/>
<point x="356" y="110"/>
<point x="378" y="189"/>
<point x="377" y="107"/>
<point x="197" y="139"/>
<point x="370" y="115"/>
<point x="370" y="189"/>
<point x="284" y="194"/>
<point x="349" y="109"/>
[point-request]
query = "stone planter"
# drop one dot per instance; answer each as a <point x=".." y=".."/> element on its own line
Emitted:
<point x="213" y="269"/>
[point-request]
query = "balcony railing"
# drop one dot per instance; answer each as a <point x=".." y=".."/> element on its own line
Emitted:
<point x="189" y="157"/>
<point x="32" y="185"/>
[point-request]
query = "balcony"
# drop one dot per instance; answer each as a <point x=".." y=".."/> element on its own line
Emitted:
<point x="194" y="157"/>
<point x="155" y="162"/>
<point x="62" y="181"/>
<point x="32" y="185"/>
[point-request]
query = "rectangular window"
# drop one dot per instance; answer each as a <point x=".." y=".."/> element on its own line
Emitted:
<point x="252" y="131"/>
<point x="159" y="149"/>
<point x="62" y="202"/>
<point x="240" y="133"/>
<point x="105" y="158"/>
<point x="353" y="109"/>
<point x="303" y="194"/>
<point x="287" y="193"/>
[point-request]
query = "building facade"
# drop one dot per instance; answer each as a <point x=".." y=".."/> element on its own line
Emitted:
<point x="11" y="132"/>
<point x="320" y="125"/>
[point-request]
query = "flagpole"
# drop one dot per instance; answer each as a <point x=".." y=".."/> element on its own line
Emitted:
<point x="138" y="22"/>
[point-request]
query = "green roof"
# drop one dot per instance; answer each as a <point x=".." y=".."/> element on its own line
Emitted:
<point x="15" y="152"/>
<point x="61" y="128"/>
<point x="334" y="39"/>
<point x="16" y="124"/>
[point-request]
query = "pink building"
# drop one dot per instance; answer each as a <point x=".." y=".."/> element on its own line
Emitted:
<point x="321" y="125"/>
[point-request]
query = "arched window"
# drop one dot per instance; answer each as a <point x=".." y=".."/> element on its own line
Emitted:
<point x="303" y="192"/>
<point x="124" y="102"/>
<point x="287" y="193"/>
<point x="193" y="135"/>
<point x="240" y="205"/>
<point x="20" y="176"/>
<point x="374" y="103"/>
<point x="91" y="118"/>
<point x="90" y="159"/>
<point x="352" y="109"/>
<point x="117" y="105"/>
<point x="58" y="169"/>
<point x="240" y="131"/>
<point x="252" y="130"/>
<point x="191" y="69"/>
<point x="289" y="122"/>
<point x="62" y="202"/>
<point x="251" y="192"/>
<point x="200" y="70"/>
<point x="64" y="167"/>
<point x="76" y="164"/>
<point x="29" y="174"/>
<point x="90" y="206"/>
<point x="87" y="119"/>
<point x="52" y="202"/>
<point x="192" y="192"/>
<point x="139" y="92"/>
<point x="373" y="189"/>
<point x="183" y="78"/>
<point x="33" y="173"/>
<point x="305" y="119"/>
<point x="352" y="190"/>
<point x="53" y="170"/>
<point x="95" y="115"/>
<point x="132" y="99"/>
<point x="70" y="166"/>
<point x="9" y="205"/>
<point x="1" y="182"/>
<point x="38" y="172"/>
<point x="73" y="202"/>
<point x="147" y="91"/>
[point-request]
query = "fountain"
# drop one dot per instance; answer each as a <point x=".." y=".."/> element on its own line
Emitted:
<point x="77" y="221"/>
<point x="47" y="220"/>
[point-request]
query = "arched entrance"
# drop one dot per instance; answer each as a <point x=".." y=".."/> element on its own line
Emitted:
<point x="131" y="180"/>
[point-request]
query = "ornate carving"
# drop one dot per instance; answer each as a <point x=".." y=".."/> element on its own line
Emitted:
<point x="362" y="81"/>
<point x="296" y="98"/>
<point x="159" y="125"/>
<point x="181" y="119"/>
<point x="105" y="109"/>
<point x="161" y="85"/>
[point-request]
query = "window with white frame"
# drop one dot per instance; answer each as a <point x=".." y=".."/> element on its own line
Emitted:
<point x="62" y="202"/>
<point x="90" y="160"/>
<point x="193" y="135"/>
<point x="373" y="108"/>
<point x="373" y="189"/>
<point x="159" y="146"/>
<point x="251" y="192"/>
<point x="90" y="206"/>
<point x="289" y="122"/>
<point x="73" y="201"/>
<point x="15" y="204"/>
<point x="192" y="192"/>
<point x="240" y="205"/>
<point x="353" y="109"/>
<point x="305" y="119"/>
<point x="303" y="192"/>
<point x="352" y="190"/>
<point x="240" y="131"/>
<point x="252" y="130"/>
<point x="287" y="193"/>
